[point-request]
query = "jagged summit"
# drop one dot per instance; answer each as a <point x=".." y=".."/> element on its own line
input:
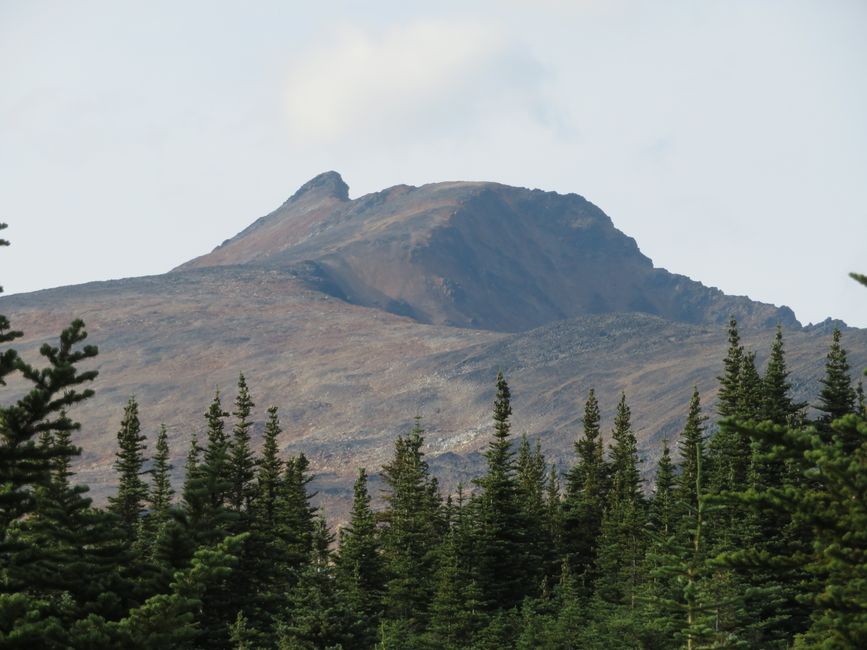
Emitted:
<point x="473" y="254"/>
<point x="326" y="185"/>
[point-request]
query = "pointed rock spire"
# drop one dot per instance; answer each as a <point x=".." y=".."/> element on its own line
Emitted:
<point x="325" y="185"/>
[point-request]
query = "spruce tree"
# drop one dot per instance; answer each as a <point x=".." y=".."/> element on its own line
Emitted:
<point x="860" y="402"/>
<point x="584" y="503"/>
<point x="159" y="502"/>
<point x="750" y="391"/>
<point x="679" y="609"/>
<point x="691" y="446"/>
<point x="837" y="397"/>
<point x="161" y="493"/>
<point x="25" y="468"/>
<point x="209" y="485"/>
<point x="315" y="617"/>
<point x="728" y="399"/>
<point x="538" y="543"/>
<point x="779" y="407"/>
<point x="554" y="520"/>
<point x="622" y="539"/>
<point x="132" y="491"/>
<point x="359" y="570"/>
<point x="410" y="532"/>
<point x="456" y="618"/>
<point x="241" y="463"/>
<point x="502" y="528"/>
<point x="662" y="511"/>
<point x="269" y="472"/>
<point x="297" y="516"/>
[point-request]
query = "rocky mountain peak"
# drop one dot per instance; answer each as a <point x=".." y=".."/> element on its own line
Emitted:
<point x="326" y="185"/>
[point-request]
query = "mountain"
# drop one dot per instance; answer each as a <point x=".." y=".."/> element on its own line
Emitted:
<point x="355" y="315"/>
<point x="477" y="255"/>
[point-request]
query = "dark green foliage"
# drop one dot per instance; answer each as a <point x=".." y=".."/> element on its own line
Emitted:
<point x="174" y="619"/>
<point x="837" y="397"/>
<point x="359" y="570"/>
<point x="539" y="550"/>
<point x="728" y="399"/>
<point x="455" y="611"/>
<point x="207" y="484"/>
<point x="23" y="464"/>
<point x="678" y="607"/>
<point x="242" y="466"/>
<point x="161" y="492"/>
<point x="751" y="396"/>
<point x="662" y="511"/>
<point x="778" y="405"/>
<point x="860" y="402"/>
<point x="411" y="530"/>
<point x="315" y="617"/>
<point x="622" y="539"/>
<point x="132" y="491"/>
<point x="268" y="475"/>
<point x="586" y="494"/>
<point x="690" y="482"/>
<point x="501" y="530"/>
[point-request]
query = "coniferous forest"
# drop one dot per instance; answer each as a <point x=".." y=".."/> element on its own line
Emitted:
<point x="752" y="534"/>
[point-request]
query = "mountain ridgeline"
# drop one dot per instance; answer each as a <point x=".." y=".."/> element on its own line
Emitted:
<point x="477" y="255"/>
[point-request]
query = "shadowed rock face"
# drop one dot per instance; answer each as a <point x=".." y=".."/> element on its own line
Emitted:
<point x="477" y="255"/>
<point x="340" y="312"/>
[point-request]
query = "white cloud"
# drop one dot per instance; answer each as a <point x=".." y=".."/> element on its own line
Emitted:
<point x="426" y="76"/>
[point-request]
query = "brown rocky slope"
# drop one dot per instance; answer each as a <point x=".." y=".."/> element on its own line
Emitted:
<point x="337" y="312"/>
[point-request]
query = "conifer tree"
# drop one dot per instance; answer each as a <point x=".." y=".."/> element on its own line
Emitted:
<point x="728" y="400"/>
<point x="779" y="407"/>
<point x="689" y="486"/>
<point x="740" y="397"/>
<point x="269" y="472"/>
<point x="662" y="511"/>
<point x="159" y="501"/>
<point x="622" y="538"/>
<point x="207" y="488"/>
<point x="411" y="531"/>
<point x="297" y="516"/>
<point x="359" y="570"/>
<point x="837" y="397"/>
<point x="175" y="619"/>
<point x="241" y="464"/>
<point x="315" y="617"/>
<point x="69" y="552"/>
<point x="860" y="403"/>
<point x="25" y="468"/>
<point x="501" y="524"/>
<point x="538" y="542"/>
<point x="161" y="492"/>
<point x="132" y="491"/>
<point x="455" y="611"/>
<point x="680" y="610"/>
<point x="191" y="494"/>
<point x="586" y="493"/>
<point x="216" y="455"/>
<point x="554" y="520"/>
<point x="750" y="391"/>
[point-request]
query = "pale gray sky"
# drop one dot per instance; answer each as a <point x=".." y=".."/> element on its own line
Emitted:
<point x="728" y="137"/>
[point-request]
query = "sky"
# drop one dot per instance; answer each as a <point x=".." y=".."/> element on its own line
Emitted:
<point x="728" y="137"/>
